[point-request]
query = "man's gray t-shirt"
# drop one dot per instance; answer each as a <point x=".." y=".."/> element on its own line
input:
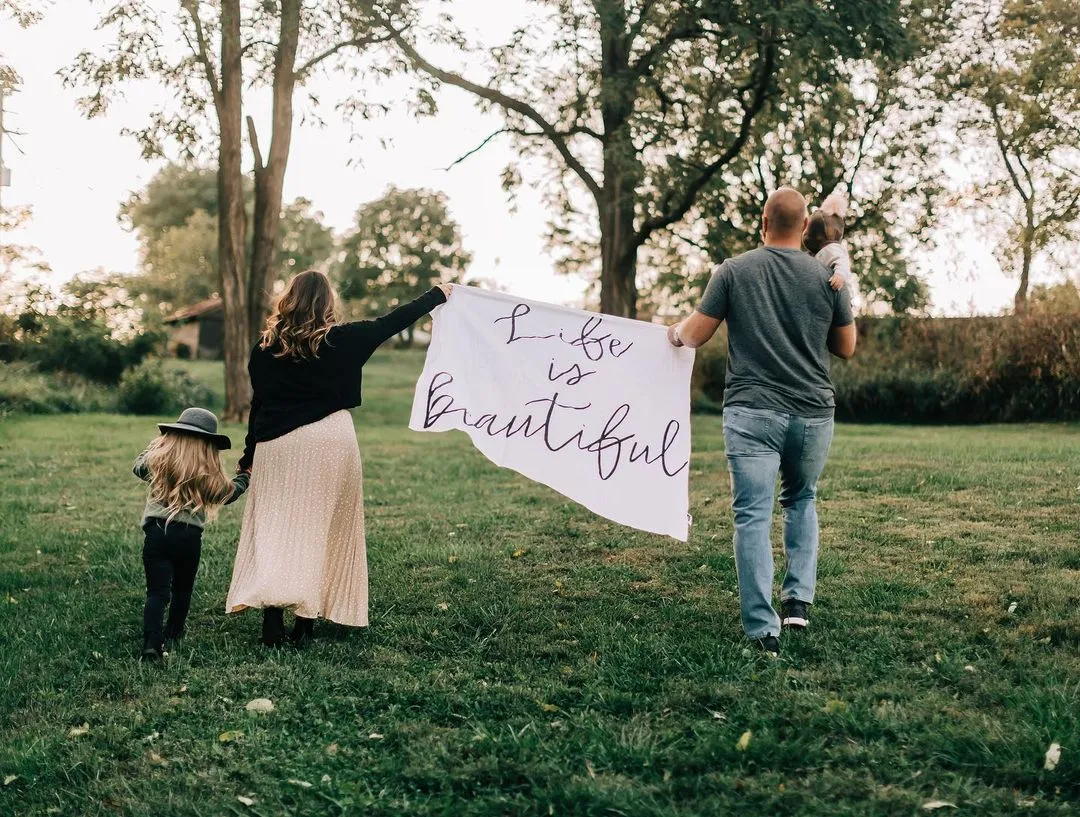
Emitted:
<point x="779" y="309"/>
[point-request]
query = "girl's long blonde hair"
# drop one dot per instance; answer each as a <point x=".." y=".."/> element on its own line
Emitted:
<point x="186" y="474"/>
<point x="302" y="316"/>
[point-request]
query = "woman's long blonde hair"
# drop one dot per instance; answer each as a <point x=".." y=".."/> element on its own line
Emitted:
<point x="186" y="474"/>
<point x="302" y="316"/>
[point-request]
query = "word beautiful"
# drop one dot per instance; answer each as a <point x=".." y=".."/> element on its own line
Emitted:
<point x="562" y="419"/>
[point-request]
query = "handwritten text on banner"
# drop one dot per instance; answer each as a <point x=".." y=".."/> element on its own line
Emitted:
<point x="596" y="407"/>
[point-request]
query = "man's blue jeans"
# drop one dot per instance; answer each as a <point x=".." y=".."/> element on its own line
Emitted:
<point x="759" y="444"/>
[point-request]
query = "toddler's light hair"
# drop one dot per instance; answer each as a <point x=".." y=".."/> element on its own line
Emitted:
<point x="186" y="474"/>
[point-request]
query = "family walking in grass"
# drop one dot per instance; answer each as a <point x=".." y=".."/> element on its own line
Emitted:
<point x="302" y="543"/>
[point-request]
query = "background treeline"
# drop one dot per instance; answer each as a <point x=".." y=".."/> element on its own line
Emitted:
<point x="96" y="342"/>
<point x="1011" y="368"/>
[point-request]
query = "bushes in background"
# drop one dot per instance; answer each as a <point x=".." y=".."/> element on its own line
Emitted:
<point x="150" y="388"/>
<point x="88" y="327"/>
<point x="945" y="370"/>
<point x="25" y="390"/>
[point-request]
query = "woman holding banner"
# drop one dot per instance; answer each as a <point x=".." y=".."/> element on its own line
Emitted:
<point x="302" y="543"/>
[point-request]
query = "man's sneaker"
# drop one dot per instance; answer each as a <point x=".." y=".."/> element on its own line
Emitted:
<point x="795" y="614"/>
<point x="770" y="645"/>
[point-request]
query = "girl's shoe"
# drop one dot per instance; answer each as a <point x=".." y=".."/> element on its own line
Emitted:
<point x="303" y="630"/>
<point x="273" y="627"/>
<point x="151" y="652"/>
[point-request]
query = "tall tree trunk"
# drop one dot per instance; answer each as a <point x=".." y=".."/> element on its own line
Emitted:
<point x="270" y="178"/>
<point x="622" y="167"/>
<point x="618" y="257"/>
<point x="232" y="221"/>
<point x="1027" y="240"/>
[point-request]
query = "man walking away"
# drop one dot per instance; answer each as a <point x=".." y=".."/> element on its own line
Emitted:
<point x="783" y="321"/>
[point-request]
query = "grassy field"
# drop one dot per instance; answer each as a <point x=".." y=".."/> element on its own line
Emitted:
<point x="528" y="658"/>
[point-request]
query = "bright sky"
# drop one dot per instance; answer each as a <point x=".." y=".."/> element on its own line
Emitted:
<point x="75" y="172"/>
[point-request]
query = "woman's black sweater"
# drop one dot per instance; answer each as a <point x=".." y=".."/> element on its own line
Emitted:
<point x="291" y="392"/>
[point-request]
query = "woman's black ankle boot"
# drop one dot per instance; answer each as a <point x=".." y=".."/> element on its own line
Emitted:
<point x="303" y="630"/>
<point x="273" y="627"/>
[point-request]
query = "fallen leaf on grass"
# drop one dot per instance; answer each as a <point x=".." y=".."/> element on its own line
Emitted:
<point x="151" y="737"/>
<point x="260" y="705"/>
<point x="332" y="749"/>
<point x="452" y="559"/>
<point x="1012" y="608"/>
<point x="744" y="741"/>
<point x="182" y="690"/>
<point x="325" y="778"/>
<point x="589" y="768"/>
<point x="1053" y="757"/>
<point x="548" y="707"/>
<point x="157" y="759"/>
<point x="375" y="736"/>
<point x="301" y="783"/>
<point x="247" y="801"/>
<point x="79" y="731"/>
<point x="442" y="605"/>
<point x="231" y="736"/>
<point x="10" y="778"/>
<point x="834" y="705"/>
<point x="517" y="554"/>
<point x="933" y="805"/>
<point x="720" y="716"/>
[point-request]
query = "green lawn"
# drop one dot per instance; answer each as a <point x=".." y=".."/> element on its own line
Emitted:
<point x="528" y="658"/>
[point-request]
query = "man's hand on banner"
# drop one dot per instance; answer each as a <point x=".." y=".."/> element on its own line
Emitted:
<point x="693" y="331"/>
<point x="673" y="335"/>
<point x="447" y="289"/>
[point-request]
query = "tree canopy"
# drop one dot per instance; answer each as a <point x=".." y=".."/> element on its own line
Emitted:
<point x="175" y="218"/>
<point x="402" y="244"/>
<point x="639" y="106"/>
<point x="1015" y="70"/>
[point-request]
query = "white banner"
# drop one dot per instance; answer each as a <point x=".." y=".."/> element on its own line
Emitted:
<point x="596" y="407"/>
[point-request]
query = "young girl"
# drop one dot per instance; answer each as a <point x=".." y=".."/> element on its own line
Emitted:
<point x="823" y="239"/>
<point x="187" y="486"/>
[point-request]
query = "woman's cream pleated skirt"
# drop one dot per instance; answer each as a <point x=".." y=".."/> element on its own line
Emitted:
<point x="302" y="543"/>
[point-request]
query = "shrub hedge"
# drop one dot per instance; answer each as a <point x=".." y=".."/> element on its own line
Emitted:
<point x="1016" y="368"/>
<point x="150" y="388"/>
<point x="25" y="390"/>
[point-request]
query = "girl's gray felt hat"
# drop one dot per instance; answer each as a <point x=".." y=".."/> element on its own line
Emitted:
<point x="200" y="423"/>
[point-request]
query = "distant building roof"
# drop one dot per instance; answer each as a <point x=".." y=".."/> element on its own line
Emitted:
<point x="195" y="311"/>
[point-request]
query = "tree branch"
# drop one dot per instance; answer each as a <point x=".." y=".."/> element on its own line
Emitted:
<point x="639" y="24"/>
<point x="689" y="196"/>
<point x="202" y="50"/>
<point x="1003" y="148"/>
<point x="586" y="131"/>
<point x="253" y="137"/>
<point x="254" y="43"/>
<point x="1065" y="214"/>
<point x="690" y="31"/>
<point x="504" y="101"/>
<point x="478" y="148"/>
<point x="356" y="42"/>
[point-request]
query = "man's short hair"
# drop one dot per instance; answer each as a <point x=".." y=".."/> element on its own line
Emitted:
<point x="786" y="211"/>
